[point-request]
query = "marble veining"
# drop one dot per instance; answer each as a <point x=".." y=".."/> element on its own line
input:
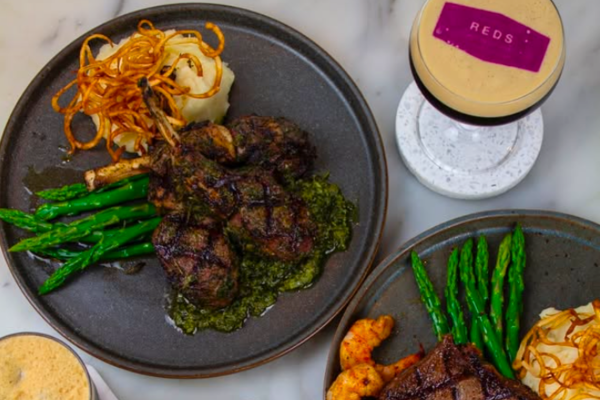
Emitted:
<point x="369" y="38"/>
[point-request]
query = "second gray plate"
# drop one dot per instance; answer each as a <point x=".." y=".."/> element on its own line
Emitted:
<point x="563" y="270"/>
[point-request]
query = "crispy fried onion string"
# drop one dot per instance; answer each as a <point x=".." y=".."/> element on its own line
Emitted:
<point x="582" y="374"/>
<point x="108" y="88"/>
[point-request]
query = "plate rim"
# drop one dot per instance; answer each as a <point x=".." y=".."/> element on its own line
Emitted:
<point x="380" y="162"/>
<point x="403" y="250"/>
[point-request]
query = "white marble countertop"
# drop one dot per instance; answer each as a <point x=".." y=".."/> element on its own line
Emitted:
<point x="369" y="38"/>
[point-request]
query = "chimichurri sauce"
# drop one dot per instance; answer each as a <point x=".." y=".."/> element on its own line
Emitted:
<point x="263" y="279"/>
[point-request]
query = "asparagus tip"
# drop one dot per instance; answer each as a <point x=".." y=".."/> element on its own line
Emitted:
<point x="14" y="248"/>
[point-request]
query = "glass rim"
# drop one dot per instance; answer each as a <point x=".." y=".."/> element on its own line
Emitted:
<point x="559" y="61"/>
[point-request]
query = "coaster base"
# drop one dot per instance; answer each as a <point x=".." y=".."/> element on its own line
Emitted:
<point x="464" y="161"/>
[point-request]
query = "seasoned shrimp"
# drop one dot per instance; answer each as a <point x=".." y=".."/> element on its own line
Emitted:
<point x="362" y="338"/>
<point x="388" y="372"/>
<point x="360" y="381"/>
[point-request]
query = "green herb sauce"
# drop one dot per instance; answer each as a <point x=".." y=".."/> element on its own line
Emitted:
<point x="261" y="279"/>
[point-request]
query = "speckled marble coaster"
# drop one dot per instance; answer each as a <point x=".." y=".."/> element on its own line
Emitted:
<point x="490" y="162"/>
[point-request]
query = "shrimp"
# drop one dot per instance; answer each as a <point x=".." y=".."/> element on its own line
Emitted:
<point x="388" y="372"/>
<point x="362" y="380"/>
<point x="362" y="338"/>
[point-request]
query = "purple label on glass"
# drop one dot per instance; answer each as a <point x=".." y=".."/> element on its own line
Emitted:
<point x="492" y="37"/>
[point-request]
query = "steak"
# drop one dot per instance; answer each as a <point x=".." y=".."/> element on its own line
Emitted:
<point x="451" y="372"/>
<point x="197" y="258"/>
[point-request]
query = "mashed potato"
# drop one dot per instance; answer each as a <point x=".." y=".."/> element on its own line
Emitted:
<point x="566" y="354"/>
<point x="193" y="110"/>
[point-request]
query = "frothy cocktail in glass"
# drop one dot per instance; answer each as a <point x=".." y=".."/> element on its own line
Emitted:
<point x="482" y="66"/>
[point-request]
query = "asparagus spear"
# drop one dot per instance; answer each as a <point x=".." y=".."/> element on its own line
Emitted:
<point x="497" y="299"/>
<point x="64" y="193"/>
<point x="466" y="262"/>
<point x="94" y="254"/>
<point x="134" y="250"/>
<point x="96" y="236"/>
<point x="482" y="269"/>
<point x="77" y="190"/>
<point x="121" y="182"/>
<point x="429" y="297"/>
<point x="482" y="275"/>
<point x="459" y="330"/>
<point x="85" y="226"/>
<point x="25" y="221"/>
<point x="138" y="189"/>
<point x="466" y="267"/>
<point x="477" y="309"/>
<point x="517" y="287"/>
<point x="475" y="334"/>
<point x="29" y="222"/>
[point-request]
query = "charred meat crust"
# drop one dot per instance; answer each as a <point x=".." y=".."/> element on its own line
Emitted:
<point x="451" y="372"/>
<point x="251" y="201"/>
<point x="232" y="176"/>
<point x="276" y="144"/>
<point x="198" y="259"/>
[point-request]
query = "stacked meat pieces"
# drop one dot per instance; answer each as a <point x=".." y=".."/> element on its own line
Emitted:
<point x="218" y="184"/>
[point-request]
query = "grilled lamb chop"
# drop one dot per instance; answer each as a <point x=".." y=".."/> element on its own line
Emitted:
<point x="198" y="259"/>
<point x="258" y="210"/>
<point x="451" y="372"/>
<point x="182" y="179"/>
<point x="256" y="207"/>
<point x="231" y="176"/>
<point x="272" y="143"/>
<point x="274" y="222"/>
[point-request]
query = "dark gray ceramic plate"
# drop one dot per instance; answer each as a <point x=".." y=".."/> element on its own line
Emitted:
<point x="563" y="270"/>
<point x="121" y="318"/>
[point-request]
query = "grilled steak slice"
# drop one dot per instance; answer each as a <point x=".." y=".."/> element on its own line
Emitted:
<point x="197" y="259"/>
<point x="451" y="372"/>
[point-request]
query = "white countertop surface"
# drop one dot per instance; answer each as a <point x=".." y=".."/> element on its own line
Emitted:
<point x="369" y="39"/>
